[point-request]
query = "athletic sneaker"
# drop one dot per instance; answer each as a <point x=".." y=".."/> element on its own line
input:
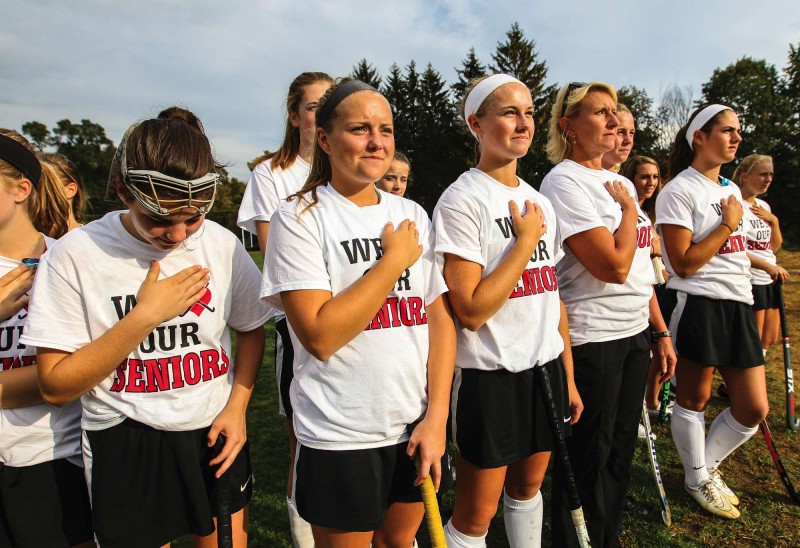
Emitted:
<point x="712" y="501"/>
<point x="655" y="414"/>
<point x="719" y="483"/>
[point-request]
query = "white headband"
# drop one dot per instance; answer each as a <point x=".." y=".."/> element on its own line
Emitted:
<point x="702" y="119"/>
<point x="480" y="92"/>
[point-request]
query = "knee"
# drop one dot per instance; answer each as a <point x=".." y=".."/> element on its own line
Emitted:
<point x="693" y="402"/>
<point x="524" y="491"/>
<point x="475" y="519"/>
<point x="752" y="414"/>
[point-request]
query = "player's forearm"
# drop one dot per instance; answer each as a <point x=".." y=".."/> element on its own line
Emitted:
<point x="441" y="359"/>
<point x="19" y="387"/>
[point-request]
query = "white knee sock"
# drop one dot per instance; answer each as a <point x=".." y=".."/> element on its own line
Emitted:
<point x="300" y="528"/>
<point x="523" y="520"/>
<point x="724" y="436"/>
<point x="689" y="434"/>
<point x="457" y="539"/>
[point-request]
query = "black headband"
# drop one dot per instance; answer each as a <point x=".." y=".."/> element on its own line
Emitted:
<point x="337" y="96"/>
<point x="21" y="158"/>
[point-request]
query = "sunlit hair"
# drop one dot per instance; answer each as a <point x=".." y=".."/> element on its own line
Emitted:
<point x="682" y="155"/>
<point x="747" y="165"/>
<point x="175" y="145"/>
<point x="568" y="105"/>
<point x="286" y="155"/>
<point x="321" y="171"/>
<point x="631" y="168"/>
<point x="47" y="205"/>
<point x="67" y="173"/>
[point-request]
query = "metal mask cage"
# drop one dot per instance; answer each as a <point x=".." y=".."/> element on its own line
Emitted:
<point x="138" y="180"/>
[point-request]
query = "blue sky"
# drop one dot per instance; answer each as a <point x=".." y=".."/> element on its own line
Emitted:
<point x="231" y="62"/>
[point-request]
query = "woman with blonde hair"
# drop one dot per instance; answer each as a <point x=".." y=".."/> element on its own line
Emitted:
<point x="754" y="176"/>
<point x="43" y="492"/>
<point x="606" y="281"/>
<point x="72" y="182"/>
<point x="614" y="158"/>
<point x="497" y="239"/>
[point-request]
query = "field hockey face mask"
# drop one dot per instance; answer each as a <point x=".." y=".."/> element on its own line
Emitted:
<point x="145" y="186"/>
<point x="159" y="193"/>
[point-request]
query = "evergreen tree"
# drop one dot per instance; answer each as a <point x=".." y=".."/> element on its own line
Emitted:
<point x="471" y="68"/>
<point x="435" y="161"/>
<point x="366" y="73"/>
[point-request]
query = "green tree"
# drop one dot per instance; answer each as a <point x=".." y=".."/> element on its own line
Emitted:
<point x="87" y="145"/>
<point x="471" y="68"/>
<point x="641" y="106"/>
<point x="517" y="57"/>
<point x="752" y="88"/>
<point x="435" y="159"/>
<point x="367" y="73"/>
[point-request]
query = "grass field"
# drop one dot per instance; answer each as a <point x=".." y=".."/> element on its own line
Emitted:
<point x="769" y="518"/>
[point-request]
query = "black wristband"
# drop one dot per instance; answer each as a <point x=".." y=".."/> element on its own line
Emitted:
<point x="656" y="335"/>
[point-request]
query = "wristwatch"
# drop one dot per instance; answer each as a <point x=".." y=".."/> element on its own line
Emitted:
<point x="655" y="335"/>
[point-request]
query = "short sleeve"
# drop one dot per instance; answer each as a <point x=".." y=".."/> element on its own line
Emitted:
<point x="247" y="311"/>
<point x="434" y="280"/>
<point x="260" y="199"/>
<point x="295" y="258"/>
<point x="574" y="208"/>
<point x="57" y="310"/>
<point x="674" y="208"/>
<point x="457" y="228"/>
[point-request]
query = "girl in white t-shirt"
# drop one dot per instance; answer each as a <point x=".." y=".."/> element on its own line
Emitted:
<point x="44" y="496"/>
<point x="606" y="281"/>
<point x="398" y="177"/>
<point x="276" y="176"/>
<point x="699" y="215"/>
<point x="133" y="314"/>
<point x="754" y="175"/>
<point x="623" y="143"/>
<point x="374" y="341"/>
<point x="497" y="240"/>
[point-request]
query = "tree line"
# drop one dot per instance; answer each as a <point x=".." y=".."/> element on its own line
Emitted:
<point x="429" y="129"/>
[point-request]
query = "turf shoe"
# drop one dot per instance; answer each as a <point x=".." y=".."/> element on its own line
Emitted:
<point x="722" y="487"/>
<point x="712" y="501"/>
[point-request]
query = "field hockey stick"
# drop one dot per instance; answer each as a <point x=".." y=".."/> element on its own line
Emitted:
<point x="666" y="514"/>
<point x="562" y="456"/>
<point x="663" y="418"/>
<point x="432" y="516"/>
<point x="222" y="488"/>
<point x="792" y="423"/>
<point x="778" y="463"/>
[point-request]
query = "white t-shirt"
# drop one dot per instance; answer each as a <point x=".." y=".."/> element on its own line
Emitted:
<point x="472" y="221"/>
<point x="367" y="393"/>
<point x="266" y="189"/>
<point x="758" y="235"/>
<point x="598" y="311"/>
<point x="178" y="378"/>
<point x="691" y="200"/>
<point x="37" y="433"/>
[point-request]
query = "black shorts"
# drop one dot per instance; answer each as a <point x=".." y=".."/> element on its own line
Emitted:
<point x="766" y="296"/>
<point x="715" y="332"/>
<point x="500" y="417"/>
<point x="351" y="490"/>
<point x="284" y="363"/>
<point x="45" y="504"/>
<point x="150" y="486"/>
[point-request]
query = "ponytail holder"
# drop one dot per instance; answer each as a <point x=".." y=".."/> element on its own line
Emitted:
<point x="481" y="91"/>
<point x="21" y="158"/>
<point x="702" y="119"/>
